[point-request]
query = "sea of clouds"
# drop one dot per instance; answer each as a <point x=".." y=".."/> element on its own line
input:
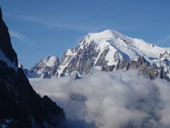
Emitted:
<point x="110" y="99"/>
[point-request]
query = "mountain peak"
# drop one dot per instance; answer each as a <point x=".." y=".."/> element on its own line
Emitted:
<point x="106" y="34"/>
<point x="46" y="67"/>
<point x="108" y="50"/>
<point x="51" y="60"/>
<point x="112" y="33"/>
<point x="106" y="38"/>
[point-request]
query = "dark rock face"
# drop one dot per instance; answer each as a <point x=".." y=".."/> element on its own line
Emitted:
<point x="19" y="103"/>
<point x="102" y="61"/>
<point x="5" y="42"/>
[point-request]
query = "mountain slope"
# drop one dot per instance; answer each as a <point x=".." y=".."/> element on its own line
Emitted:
<point x="46" y="67"/>
<point x="20" y="106"/>
<point x="110" y="50"/>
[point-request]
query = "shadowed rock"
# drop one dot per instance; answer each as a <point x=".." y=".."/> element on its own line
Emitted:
<point x="19" y="103"/>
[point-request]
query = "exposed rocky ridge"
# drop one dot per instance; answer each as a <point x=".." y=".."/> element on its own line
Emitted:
<point x="20" y="105"/>
<point x="151" y="71"/>
<point x="110" y="51"/>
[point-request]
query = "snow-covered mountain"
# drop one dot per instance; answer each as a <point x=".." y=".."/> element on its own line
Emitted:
<point x="45" y="68"/>
<point x="110" y="50"/>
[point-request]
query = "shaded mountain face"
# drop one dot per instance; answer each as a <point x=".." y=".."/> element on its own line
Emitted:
<point x="109" y="51"/>
<point x="5" y="41"/>
<point x="20" y="106"/>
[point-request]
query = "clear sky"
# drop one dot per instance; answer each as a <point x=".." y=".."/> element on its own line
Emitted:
<point x="40" y="28"/>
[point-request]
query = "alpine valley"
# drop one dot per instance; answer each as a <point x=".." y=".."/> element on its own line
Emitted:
<point x="106" y="51"/>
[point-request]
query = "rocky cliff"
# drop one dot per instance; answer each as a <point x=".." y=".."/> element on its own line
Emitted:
<point x="20" y="105"/>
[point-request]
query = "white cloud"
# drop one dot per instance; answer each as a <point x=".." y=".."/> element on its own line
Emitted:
<point x="111" y="100"/>
<point x="165" y="40"/>
<point x="54" y="24"/>
<point x="17" y="35"/>
<point x="24" y="39"/>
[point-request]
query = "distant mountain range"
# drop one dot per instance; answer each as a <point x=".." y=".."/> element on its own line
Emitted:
<point x="107" y="51"/>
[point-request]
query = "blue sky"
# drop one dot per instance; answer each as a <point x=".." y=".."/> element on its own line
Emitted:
<point x="40" y="28"/>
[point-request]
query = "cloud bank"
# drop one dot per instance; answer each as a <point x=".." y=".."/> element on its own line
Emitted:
<point x="110" y="100"/>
